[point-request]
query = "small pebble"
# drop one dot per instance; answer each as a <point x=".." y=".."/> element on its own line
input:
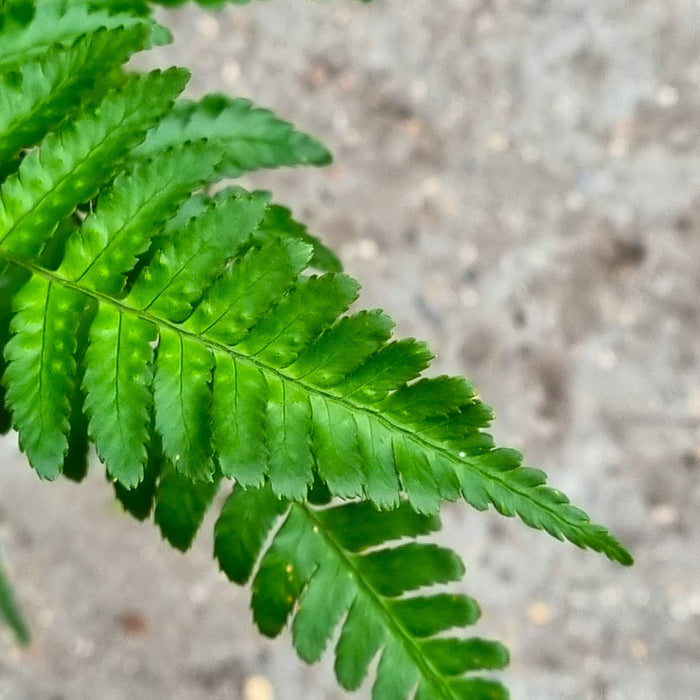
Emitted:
<point x="667" y="96"/>
<point x="540" y="613"/>
<point x="498" y="142"/>
<point x="258" y="688"/>
<point x="638" y="649"/>
<point x="664" y="515"/>
<point x="207" y="26"/>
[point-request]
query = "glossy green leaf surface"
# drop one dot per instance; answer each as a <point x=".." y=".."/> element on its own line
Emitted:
<point x="313" y="552"/>
<point x="193" y="332"/>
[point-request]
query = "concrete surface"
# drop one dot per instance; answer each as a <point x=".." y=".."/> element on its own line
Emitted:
<point x="517" y="181"/>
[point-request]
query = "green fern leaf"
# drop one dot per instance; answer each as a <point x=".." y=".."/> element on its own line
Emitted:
<point x="182" y="398"/>
<point x="427" y="433"/>
<point x="242" y="297"/>
<point x="10" y="613"/>
<point x="249" y="137"/>
<point x="40" y="375"/>
<point x="187" y="338"/>
<point x="11" y="279"/>
<point x="117" y="384"/>
<point x="297" y="320"/>
<point x="238" y="431"/>
<point x="314" y="552"/>
<point x="71" y="165"/>
<point x="51" y="22"/>
<point x="172" y="284"/>
<point x="139" y="500"/>
<point x="181" y="505"/>
<point x="278" y="221"/>
<point x="130" y="213"/>
<point x="231" y="310"/>
<point x="46" y="91"/>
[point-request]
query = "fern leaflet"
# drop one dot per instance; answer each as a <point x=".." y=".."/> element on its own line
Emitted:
<point x="9" y="612"/>
<point x="322" y="549"/>
<point x="30" y="29"/>
<point x="43" y="91"/>
<point x="249" y="137"/>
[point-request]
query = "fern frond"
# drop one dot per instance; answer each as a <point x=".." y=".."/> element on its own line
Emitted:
<point x="249" y="137"/>
<point x="46" y="91"/>
<point x="263" y="347"/>
<point x="27" y="35"/>
<point x="246" y="339"/>
<point x="319" y="550"/>
<point x="190" y="340"/>
<point x="70" y="166"/>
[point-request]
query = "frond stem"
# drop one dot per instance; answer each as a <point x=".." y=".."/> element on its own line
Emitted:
<point x="216" y="345"/>
<point x="427" y="669"/>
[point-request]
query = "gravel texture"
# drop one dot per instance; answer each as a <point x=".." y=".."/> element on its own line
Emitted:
<point x="517" y="182"/>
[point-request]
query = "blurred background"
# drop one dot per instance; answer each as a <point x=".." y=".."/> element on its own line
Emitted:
<point x="518" y="182"/>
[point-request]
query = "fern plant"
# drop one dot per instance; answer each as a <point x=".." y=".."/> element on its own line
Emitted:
<point x="198" y="340"/>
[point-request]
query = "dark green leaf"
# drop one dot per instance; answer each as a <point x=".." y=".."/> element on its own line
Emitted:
<point x="181" y="505"/>
<point x="10" y="612"/>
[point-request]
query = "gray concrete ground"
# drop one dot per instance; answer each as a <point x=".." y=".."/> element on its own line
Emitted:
<point x="517" y="181"/>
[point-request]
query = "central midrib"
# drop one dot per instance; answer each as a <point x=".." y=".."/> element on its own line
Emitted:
<point x="350" y="405"/>
<point x="426" y="668"/>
